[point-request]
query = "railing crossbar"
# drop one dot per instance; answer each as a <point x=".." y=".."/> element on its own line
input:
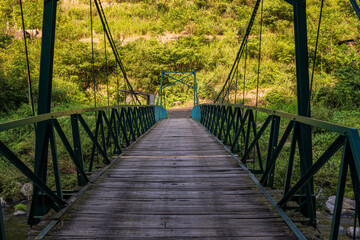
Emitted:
<point x="271" y="164"/>
<point x="256" y="139"/>
<point x="334" y="147"/>
<point x="8" y="154"/>
<point x="228" y="122"/>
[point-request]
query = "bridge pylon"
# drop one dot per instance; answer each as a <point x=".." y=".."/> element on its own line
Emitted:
<point x="180" y="80"/>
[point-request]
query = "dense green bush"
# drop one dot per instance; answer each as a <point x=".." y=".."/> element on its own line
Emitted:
<point x="345" y="93"/>
<point x="174" y="35"/>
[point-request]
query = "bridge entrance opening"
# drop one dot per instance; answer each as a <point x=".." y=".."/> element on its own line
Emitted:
<point x="169" y="78"/>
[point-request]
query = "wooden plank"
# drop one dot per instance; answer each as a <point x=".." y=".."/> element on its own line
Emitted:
<point x="176" y="183"/>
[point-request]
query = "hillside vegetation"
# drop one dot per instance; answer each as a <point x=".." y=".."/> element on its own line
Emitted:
<point x="176" y="35"/>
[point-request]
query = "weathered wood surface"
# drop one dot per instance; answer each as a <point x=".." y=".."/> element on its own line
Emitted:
<point x="178" y="182"/>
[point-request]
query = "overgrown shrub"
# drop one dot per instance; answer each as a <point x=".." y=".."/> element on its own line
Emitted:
<point x="345" y="93"/>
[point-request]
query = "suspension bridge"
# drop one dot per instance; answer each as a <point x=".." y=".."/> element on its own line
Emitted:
<point x="206" y="176"/>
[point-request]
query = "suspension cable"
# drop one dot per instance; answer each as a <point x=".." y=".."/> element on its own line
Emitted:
<point x="107" y="28"/>
<point x="259" y="57"/>
<point x="236" y="82"/>
<point x="240" y="52"/>
<point x="106" y="71"/>
<point x="31" y="100"/>
<point x="113" y="46"/>
<point x="125" y="86"/>
<point x="92" y="53"/>
<point x="226" y="93"/>
<point x="246" y="53"/>
<point x="117" y="90"/>
<point x="315" y="54"/>
<point x="229" y="85"/>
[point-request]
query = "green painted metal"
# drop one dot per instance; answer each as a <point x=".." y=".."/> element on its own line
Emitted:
<point x="243" y="124"/>
<point x="166" y="74"/>
<point x="290" y="161"/>
<point x="356" y="187"/>
<point x="43" y="198"/>
<point x="134" y="119"/>
<point x="40" y="118"/>
<point x="95" y="142"/>
<point x="120" y="129"/>
<point x="196" y="113"/>
<point x="103" y="136"/>
<point x="55" y="164"/>
<point x="111" y="133"/>
<point x="334" y="147"/>
<point x="2" y="226"/>
<point x="230" y="124"/>
<point x="93" y="138"/>
<point x="77" y="147"/>
<point x="160" y="113"/>
<point x="274" y="134"/>
<point x="248" y="149"/>
<point x="240" y="129"/>
<point x="38" y="208"/>
<point x="356" y="7"/>
<point x="274" y="153"/>
<point x="107" y="32"/>
<point x="75" y="159"/>
<point x="340" y="193"/>
<point x="130" y="123"/>
<point x="120" y="119"/>
<point x="113" y="124"/>
<point x="304" y="138"/>
<point x="240" y="52"/>
<point x="8" y="154"/>
<point x="288" y="221"/>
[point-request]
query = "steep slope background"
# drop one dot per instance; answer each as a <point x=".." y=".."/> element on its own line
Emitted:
<point x="175" y="35"/>
<point x="180" y="35"/>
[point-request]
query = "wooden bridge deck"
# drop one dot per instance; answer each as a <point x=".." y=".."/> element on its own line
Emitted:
<point x="178" y="182"/>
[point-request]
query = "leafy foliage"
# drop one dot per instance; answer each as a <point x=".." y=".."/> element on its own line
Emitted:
<point x="345" y="93"/>
<point x="154" y="35"/>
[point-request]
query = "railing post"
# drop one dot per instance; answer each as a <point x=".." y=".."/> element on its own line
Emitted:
<point x="39" y="204"/>
<point x="195" y="86"/>
<point x="346" y="157"/>
<point x="102" y="130"/>
<point x="273" y="141"/>
<point x="290" y="159"/>
<point x="122" y="125"/>
<point x="161" y="87"/>
<point x="77" y="147"/>
<point x="303" y="97"/>
<point x="116" y="127"/>
<point x="55" y="164"/>
<point x="129" y="121"/>
<point x="231" y="124"/>
<point x="2" y="227"/>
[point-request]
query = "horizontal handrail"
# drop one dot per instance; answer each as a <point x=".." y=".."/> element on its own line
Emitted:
<point x="43" y="117"/>
<point x="116" y="129"/>
<point x="235" y="125"/>
<point x="301" y="119"/>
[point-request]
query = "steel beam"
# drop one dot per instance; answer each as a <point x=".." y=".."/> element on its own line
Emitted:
<point x="2" y="227"/>
<point x="161" y="87"/>
<point x="40" y="204"/>
<point x="165" y="73"/>
<point x="77" y="147"/>
<point x="303" y="98"/>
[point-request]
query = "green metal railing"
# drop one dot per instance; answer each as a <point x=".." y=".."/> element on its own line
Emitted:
<point x="116" y="127"/>
<point x="181" y="80"/>
<point x="236" y="127"/>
